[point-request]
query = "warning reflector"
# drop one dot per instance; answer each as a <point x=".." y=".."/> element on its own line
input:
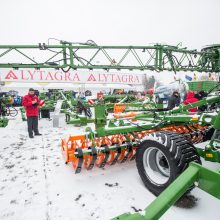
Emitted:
<point x="90" y="101"/>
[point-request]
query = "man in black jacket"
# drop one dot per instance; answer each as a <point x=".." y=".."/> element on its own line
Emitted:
<point x="174" y="100"/>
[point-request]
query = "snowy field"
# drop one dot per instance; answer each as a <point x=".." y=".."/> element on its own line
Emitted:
<point x="36" y="184"/>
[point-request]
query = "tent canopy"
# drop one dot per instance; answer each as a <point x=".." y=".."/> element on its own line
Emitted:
<point x="23" y="85"/>
<point x="67" y="86"/>
<point x="119" y="86"/>
<point x="62" y="86"/>
<point x="107" y="86"/>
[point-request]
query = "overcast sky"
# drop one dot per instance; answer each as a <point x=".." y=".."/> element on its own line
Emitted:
<point x="127" y="22"/>
<point x="195" y="23"/>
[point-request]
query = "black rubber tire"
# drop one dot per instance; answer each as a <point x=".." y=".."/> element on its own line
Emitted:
<point x="178" y="151"/>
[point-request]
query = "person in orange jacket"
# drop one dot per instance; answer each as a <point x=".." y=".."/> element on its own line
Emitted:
<point x="190" y="98"/>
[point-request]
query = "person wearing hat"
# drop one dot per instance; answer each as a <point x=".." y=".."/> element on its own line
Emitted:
<point x="174" y="100"/>
<point x="31" y="103"/>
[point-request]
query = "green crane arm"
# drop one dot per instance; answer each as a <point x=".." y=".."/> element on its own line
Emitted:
<point x="67" y="55"/>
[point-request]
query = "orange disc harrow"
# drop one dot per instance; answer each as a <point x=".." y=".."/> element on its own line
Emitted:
<point x="83" y="152"/>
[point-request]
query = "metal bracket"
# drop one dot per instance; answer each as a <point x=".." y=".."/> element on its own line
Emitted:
<point x="56" y="115"/>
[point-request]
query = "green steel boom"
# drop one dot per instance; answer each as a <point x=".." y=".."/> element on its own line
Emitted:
<point x="68" y="55"/>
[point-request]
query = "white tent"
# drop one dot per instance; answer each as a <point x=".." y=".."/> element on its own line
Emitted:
<point x="94" y="86"/>
<point x="62" y="86"/>
<point x="139" y="87"/>
<point x="119" y="86"/>
<point x="107" y="86"/>
<point x="22" y="85"/>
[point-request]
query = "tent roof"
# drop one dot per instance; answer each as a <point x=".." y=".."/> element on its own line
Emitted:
<point x="62" y="86"/>
<point x="107" y="86"/>
<point x="22" y="85"/>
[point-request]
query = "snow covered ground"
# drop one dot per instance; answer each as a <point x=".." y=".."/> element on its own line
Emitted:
<point x="36" y="184"/>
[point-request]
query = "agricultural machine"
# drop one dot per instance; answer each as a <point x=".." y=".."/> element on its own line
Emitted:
<point x="69" y="104"/>
<point x="161" y="142"/>
<point x="181" y="176"/>
<point x="117" y="139"/>
<point x="6" y="109"/>
<point x="78" y="110"/>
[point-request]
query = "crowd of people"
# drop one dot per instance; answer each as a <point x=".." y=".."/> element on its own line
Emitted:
<point x="191" y="97"/>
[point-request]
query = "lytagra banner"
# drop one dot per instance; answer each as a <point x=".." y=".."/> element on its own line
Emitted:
<point x="72" y="76"/>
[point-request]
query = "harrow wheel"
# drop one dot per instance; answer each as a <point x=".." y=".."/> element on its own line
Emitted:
<point x="161" y="157"/>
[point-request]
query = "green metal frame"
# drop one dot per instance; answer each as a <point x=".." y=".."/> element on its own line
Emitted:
<point x="154" y="121"/>
<point x="205" y="179"/>
<point x="151" y="119"/>
<point x="91" y="56"/>
<point x="195" y="174"/>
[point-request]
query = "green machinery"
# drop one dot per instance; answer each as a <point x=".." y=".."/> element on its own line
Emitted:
<point x="51" y="99"/>
<point x="178" y="120"/>
<point x="84" y="56"/>
<point x="205" y="179"/>
<point x="160" y="142"/>
<point x="201" y="85"/>
<point x="4" y="110"/>
<point x="102" y="109"/>
<point x="23" y="115"/>
<point x="194" y="175"/>
<point x="74" y="107"/>
<point x="52" y="96"/>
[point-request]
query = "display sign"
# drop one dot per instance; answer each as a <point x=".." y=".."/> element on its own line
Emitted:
<point x="72" y="76"/>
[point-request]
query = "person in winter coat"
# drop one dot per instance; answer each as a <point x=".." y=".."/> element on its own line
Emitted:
<point x="200" y="95"/>
<point x="31" y="103"/>
<point x="174" y="100"/>
<point x="190" y="98"/>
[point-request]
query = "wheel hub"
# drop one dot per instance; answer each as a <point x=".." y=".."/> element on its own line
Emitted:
<point x="156" y="165"/>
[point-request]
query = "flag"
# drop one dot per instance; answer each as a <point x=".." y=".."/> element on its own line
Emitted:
<point x="195" y="77"/>
<point x="188" y="77"/>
